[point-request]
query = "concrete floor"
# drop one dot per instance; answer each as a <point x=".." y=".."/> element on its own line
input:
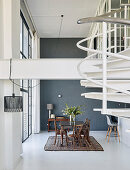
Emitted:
<point x="115" y="156"/>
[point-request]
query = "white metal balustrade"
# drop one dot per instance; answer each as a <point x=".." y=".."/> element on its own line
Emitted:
<point x="118" y="35"/>
<point x="112" y="45"/>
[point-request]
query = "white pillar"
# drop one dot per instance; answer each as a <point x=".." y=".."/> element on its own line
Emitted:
<point x="10" y="123"/>
<point x="2" y="141"/>
<point x="36" y="90"/>
<point x="104" y="56"/>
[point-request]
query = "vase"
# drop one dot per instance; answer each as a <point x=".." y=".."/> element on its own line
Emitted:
<point x="70" y="118"/>
<point x="74" y="119"/>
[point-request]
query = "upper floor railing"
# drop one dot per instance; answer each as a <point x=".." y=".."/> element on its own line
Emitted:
<point x="118" y="34"/>
<point x="103" y="7"/>
<point x="112" y="27"/>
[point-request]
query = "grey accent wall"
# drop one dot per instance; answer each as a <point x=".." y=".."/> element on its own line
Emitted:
<point x="60" y="48"/>
<point x="69" y="89"/>
<point x="71" y="95"/>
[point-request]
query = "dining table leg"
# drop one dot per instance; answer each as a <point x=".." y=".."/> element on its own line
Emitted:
<point x="61" y="133"/>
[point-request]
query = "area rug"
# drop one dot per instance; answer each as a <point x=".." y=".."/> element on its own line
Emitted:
<point x="94" y="145"/>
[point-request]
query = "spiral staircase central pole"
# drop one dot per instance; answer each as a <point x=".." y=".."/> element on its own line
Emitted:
<point x="104" y="57"/>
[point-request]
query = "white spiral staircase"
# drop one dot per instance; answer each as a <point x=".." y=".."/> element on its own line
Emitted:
<point x="111" y="69"/>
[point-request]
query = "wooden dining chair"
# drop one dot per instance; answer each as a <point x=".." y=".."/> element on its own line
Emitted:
<point x="58" y="132"/>
<point x="77" y="135"/>
<point x="87" y="124"/>
<point x="84" y="134"/>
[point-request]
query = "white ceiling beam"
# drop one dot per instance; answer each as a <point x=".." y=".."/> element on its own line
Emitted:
<point x="40" y="69"/>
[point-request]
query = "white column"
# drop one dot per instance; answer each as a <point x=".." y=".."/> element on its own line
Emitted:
<point x="36" y="106"/>
<point x="2" y="141"/>
<point x="36" y="90"/>
<point x="11" y="131"/>
<point x="104" y="56"/>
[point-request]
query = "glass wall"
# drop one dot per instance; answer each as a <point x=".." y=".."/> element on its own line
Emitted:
<point x="26" y="85"/>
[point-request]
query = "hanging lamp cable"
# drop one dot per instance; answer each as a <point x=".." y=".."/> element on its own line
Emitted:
<point x="10" y="69"/>
<point x="61" y="22"/>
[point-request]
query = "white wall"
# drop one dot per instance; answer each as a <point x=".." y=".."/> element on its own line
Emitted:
<point x="13" y="144"/>
<point x="125" y="131"/>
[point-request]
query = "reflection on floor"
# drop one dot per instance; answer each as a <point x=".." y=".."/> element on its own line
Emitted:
<point x="115" y="156"/>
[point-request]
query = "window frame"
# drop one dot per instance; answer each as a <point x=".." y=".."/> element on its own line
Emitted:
<point x="28" y="89"/>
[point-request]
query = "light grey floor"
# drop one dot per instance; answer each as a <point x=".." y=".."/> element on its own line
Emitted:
<point x="115" y="156"/>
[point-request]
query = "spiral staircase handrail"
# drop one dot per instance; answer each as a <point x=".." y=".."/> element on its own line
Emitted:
<point x="95" y="52"/>
<point x="104" y="19"/>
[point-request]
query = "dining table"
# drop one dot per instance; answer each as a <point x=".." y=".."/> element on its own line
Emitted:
<point x="69" y="125"/>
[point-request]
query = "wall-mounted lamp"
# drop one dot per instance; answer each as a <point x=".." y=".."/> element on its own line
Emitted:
<point x="59" y="95"/>
<point x="50" y="108"/>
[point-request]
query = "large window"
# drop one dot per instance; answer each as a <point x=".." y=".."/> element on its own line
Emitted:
<point x="26" y="90"/>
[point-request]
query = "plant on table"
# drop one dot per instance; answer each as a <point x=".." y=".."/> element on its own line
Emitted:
<point x="72" y="111"/>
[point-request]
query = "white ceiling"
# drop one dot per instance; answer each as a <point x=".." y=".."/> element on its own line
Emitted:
<point x="47" y="17"/>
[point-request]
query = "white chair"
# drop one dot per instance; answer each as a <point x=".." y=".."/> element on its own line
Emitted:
<point x="112" y="125"/>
